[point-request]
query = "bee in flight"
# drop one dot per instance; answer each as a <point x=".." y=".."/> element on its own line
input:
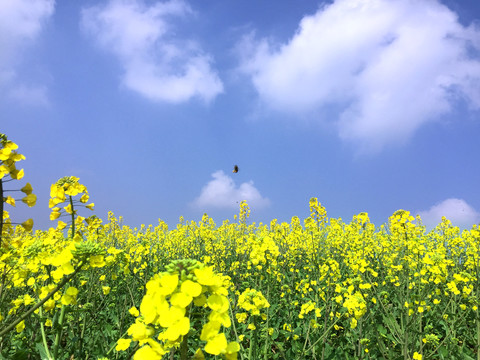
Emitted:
<point x="235" y="169"/>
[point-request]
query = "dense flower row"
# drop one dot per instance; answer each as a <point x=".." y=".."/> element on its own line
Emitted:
<point x="292" y="291"/>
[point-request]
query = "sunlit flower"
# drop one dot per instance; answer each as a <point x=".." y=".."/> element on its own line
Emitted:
<point x="123" y="344"/>
<point x="27" y="189"/>
<point x="30" y="200"/>
<point x="20" y="326"/>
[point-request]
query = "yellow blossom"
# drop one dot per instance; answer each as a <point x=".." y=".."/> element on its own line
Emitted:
<point x="30" y="199"/>
<point x="133" y="311"/>
<point x="417" y="356"/>
<point x="20" y="326"/>
<point x="70" y="296"/>
<point x="27" y="189"/>
<point x="123" y="344"/>
<point x="217" y="344"/>
<point x="28" y="224"/>
<point x="97" y="261"/>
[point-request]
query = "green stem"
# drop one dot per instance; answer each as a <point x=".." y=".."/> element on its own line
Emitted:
<point x="325" y="333"/>
<point x="420" y="331"/>
<point x="184" y="343"/>
<point x="44" y="337"/>
<point x="49" y="295"/>
<point x="306" y="339"/>
<point x="115" y="343"/>
<point x="73" y="216"/>
<point x="267" y="337"/>
<point x="232" y="319"/>
<point x="59" y="331"/>
<point x="184" y="348"/>
<point x="252" y="351"/>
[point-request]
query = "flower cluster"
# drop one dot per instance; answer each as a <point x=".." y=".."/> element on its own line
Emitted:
<point x="356" y="306"/>
<point x="166" y="308"/>
<point x="401" y="223"/>
<point x="308" y="307"/>
<point x="253" y="302"/>
<point x="262" y="250"/>
<point x="65" y="189"/>
<point x="8" y="159"/>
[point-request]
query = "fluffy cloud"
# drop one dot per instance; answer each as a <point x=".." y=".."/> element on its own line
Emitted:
<point x="384" y="67"/>
<point x="456" y="210"/>
<point x="21" y="22"/>
<point x="157" y="64"/>
<point x="222" y="193"/>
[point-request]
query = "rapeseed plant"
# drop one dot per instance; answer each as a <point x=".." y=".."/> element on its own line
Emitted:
<point x="167" y="308"/>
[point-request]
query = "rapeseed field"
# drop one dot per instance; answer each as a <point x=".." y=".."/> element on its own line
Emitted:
<point x="314" y="288"/>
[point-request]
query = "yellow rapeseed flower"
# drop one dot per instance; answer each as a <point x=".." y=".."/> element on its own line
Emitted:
<point x="181" y="299"/>
<point x="70" y="296"/>
<point x="198" y="355"/>
<point x="218" y="303"/>
<point x="139" y="331"/>
<point x="123" y="344"/>
<point x="27" y="189"/>
<point x="209" y="330"/>
<point x="217" y="344"/>
<point x="147" y="353"/>
<point x="191" y="288"/>
<point x="168" y="283"/>
<point x="241" y="317"/>
<point x="171" y="316"/>
<point x="28" y="224"/>
<point x="10" y="201"/>
<point x="417" y="356"/>
<point x="177" y="329"/>
<point x="97" y="261"/>
<point x="20" y="326"/>
<point x="206" y="276"/>
<point x="133" y="311"/>
<point x="30" y="200"/>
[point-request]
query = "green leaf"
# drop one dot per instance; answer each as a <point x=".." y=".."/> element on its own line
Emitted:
<point x="467" y="357"/>
<point x="20" y="355"/>
<point x="442" y="351"/>
<point x="41" y="350"/>
<point x="382" y="330"/>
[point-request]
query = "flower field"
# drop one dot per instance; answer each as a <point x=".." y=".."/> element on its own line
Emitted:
<point x="314" y="288"/>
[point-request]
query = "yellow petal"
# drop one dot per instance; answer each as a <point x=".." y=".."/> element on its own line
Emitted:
<point x="30" y="200"/>
<point x="27" y="189"/>
<point x="28" y="224"/>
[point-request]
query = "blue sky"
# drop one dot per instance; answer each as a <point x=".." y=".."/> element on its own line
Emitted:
<point x="368" y="105"/>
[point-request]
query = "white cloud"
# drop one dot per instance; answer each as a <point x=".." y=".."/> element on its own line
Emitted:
<point x="157" y="64"/>
<point x="21" y="22"/>
<point x="387" y="66"/>
<point x="457" y="211"/>
<point x="222" y="193"/>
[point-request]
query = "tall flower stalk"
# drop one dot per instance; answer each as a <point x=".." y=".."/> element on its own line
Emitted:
<point x="9" y="172"/>
<point x="64" y="192"/>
